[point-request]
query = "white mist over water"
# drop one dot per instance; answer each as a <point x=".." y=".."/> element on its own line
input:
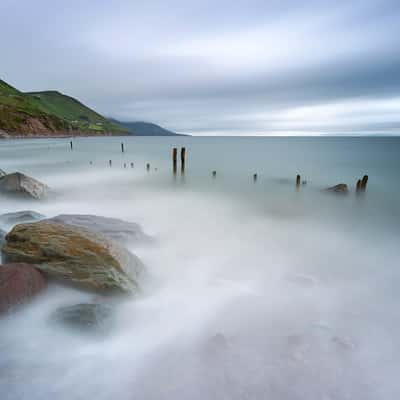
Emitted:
<point x="256" y="290"/>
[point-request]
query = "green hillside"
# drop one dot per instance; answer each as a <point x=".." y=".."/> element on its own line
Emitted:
<point x="73" y="111"/>
<point x="47" y="113"/>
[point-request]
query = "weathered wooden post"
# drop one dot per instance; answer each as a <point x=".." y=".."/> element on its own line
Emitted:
<point x="174" y="159"/>
<point x="298" y="179"/>
<point x="148" y="167"/>
<point x="70" y="143"/>
<point x="358" y="186"/>
<point x="110" y="163"/>
<point x="183" y="159"/>
<point x="122" y="147"/>
<point x="255" y="177"/>
<point x="214" y="174"/>
<point x="364" y="182"/>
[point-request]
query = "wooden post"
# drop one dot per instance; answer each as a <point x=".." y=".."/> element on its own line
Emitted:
<point x="70" y="143"/>
<point x="358" y="186"/>
<point x="124" y="165"/>
<point x="183" y="159"/>
<point x="255" y="177"/>
<point x="364" y="182"/>
<point x="174" y="159"/>
<point x="122" y="147"/>
<point x="148" y="167"/>
<point x="131" y="164"/>
<point x="110" y="163"/>
<point x="214" y="174"/>
<point x="298" y="178"/>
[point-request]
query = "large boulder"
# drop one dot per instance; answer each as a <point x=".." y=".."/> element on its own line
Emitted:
<point x="113" y="228"/>
<point x="340" y="188"/>
<point x="18" y="284"/>
<point x="22" y="185"/>
<point x="20" y="216"/>
<point x="74" y="255"/>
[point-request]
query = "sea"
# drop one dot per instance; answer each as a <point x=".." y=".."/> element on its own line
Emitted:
<point x="255" y="288"/>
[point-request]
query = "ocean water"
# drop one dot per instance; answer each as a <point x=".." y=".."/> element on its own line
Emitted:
<point x="256" y="290"/>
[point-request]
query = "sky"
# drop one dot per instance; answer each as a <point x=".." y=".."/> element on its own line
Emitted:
<point x="244" y="67"/>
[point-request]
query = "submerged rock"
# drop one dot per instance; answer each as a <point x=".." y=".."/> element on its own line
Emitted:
<point x="74" y="255"/>
<point x="341" y="188"/>
<point x="113" y="228"/>
<point x="20" y="216"/>
<point x="23" y="185"/>
<point x="84" y="317"/>
<point x="18" y="284"/>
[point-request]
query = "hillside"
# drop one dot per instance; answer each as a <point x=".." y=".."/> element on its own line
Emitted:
<point x="49" y="113"/>
<point x="146" y="129"/>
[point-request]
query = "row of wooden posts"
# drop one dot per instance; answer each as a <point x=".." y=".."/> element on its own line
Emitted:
<point x="361" y="185"/>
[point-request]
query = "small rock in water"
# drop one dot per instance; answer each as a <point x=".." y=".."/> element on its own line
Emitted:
<point x="85" y="317"/>
<point x="340" y="188"/>
<point x="23" y="185"/>
<point x="20" y="217"/>
<point x="18" y="284"/>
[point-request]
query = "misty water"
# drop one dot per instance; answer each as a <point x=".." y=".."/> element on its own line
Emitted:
<point x="255" y="290"/>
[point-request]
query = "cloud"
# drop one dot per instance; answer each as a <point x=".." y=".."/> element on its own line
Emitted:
<point x="207" y="67"/>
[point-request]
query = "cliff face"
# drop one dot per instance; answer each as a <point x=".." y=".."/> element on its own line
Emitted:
<point x="49" y="114"/>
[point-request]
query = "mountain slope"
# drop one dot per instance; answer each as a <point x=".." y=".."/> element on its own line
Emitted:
<point x="146" y="129"/>
<point x="49" y="113"/>
<point x="72" y="110"/>
<point x="18" y="113"/>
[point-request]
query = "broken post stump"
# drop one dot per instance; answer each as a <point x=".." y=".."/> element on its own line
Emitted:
<point x="122" y="147"/>
<point x="148" y="167"/>
<point x="363" y="185"/>
<point x="255" y="177"/>
<point x="174" y="159"/>
<point x="110" y="163"/>
<point x="214" y="174"/>
<point x="298" y="179"/>
<point x="131" y="164"/>
<point x="183" y="159"/>
<point x="70" y="143"/>
<point x="358" y="186"/>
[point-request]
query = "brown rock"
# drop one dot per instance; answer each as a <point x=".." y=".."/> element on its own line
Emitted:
<point x="18" y="284"/>
<point x="74" y="255"/>
<point x="341" y="188"/>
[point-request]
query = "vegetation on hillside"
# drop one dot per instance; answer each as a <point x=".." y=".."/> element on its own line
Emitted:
<point x="49" y="112"/>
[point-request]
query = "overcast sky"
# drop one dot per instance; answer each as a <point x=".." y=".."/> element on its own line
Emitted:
<point x="244" y="67"/>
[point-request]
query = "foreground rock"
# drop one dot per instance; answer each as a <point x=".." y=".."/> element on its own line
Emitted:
<point x="86" y="317"/>
<point x="18" y="284"/>
<point x="23" y="185"/>
<point x="74" y="255"/>
<point x="20" y="216"/>
<point x="115" y="229"/>
<point x="341" y="188"/>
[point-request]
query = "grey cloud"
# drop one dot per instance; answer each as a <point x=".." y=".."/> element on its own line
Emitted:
<point x="202" y="66"/>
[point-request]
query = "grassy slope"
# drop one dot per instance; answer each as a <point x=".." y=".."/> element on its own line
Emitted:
<point x="49" y="111"/>
<point x="70" y="109"/>
<point x="16" y="109"/>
